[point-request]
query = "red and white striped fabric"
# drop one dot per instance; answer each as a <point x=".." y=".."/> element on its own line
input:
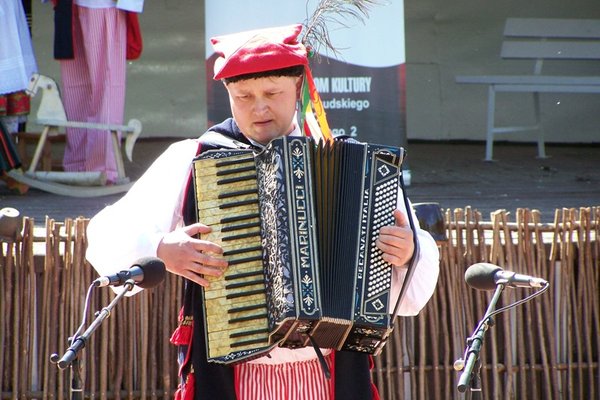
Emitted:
<point x="93" y="87"/>
<point x="290" y="381"/>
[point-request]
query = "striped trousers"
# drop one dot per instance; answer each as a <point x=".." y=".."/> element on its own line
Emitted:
<point x="292" y="381"/>
<point x="93" y="87"/>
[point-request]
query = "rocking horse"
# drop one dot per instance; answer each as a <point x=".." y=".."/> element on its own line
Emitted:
<point x="51" y="115"/>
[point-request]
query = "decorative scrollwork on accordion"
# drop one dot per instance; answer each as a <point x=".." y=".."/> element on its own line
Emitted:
<point x="312" y="269"/>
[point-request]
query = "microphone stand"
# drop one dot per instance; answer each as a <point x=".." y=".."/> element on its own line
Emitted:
<point x="77" y="343"/>
<point x="471" y="375"/>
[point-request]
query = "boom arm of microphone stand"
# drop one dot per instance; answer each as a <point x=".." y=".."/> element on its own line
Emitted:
<point x="79" y="342"/>
<point x="470" y="375"/>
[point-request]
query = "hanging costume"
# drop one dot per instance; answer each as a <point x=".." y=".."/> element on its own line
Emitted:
<point x="91" y="46"/>
<point x="17" y="64"/>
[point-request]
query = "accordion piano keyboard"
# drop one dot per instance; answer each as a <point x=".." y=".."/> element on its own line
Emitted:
<point x="235" y="303"/>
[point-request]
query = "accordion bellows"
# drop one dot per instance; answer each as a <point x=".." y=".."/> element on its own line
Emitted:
<point x="298" y="224"/>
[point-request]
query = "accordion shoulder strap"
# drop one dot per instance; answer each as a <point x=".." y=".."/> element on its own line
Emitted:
<point x="415" y="257"/>
<point x="220" y="140"/>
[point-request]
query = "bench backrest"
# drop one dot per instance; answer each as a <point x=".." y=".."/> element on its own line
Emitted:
<point x="551" y="38"/>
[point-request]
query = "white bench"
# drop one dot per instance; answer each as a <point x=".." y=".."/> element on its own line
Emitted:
<point x="540" y="39"/>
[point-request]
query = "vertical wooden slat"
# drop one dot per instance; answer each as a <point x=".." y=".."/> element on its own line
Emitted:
<point x="170" y="294"/>
<point x="397" y="351"/>
<point x="528" y="342"/>
<point x="422" y="361"/>
<point x="6" y="268"/>
<point x="596" y="279"/>
<point x="593" y="270"/>
<point x="117" y="352"/>
<point x="469" y="238"/>
<point x="379" y="369"/>
<point x="576" y="312"/>
<point x="130" y="361"/>
<point x="154" y="335"/>
<point x="567" y="332"/>
<point x="444" y="300"/>
<point x="538" y="349"/>
<point x="144" y="349"/>
<point x="460" y="240"/>
<point x="409" y="338"/>
<point x="543" y="308"/>
<point x="6" y="295"/>
<point x="18" y="323"/>
<point x="48" y="337"/>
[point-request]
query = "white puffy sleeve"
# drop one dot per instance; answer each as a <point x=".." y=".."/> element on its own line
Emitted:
<point x="425" y="276"/>
<point x="132" y="227"/>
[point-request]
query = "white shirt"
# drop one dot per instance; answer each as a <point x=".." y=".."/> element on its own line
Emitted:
<point x="129" y="5"/>
<point x="17" y="59"/>
<point x="134" y="226"/>
<point x="96" y="3"/>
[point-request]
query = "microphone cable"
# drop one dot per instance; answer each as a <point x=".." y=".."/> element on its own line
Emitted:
<point x="86" y="306"/>
<point x="487" y="317"/>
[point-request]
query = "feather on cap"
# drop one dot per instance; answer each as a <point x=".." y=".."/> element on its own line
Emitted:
<point x="258" y="51"/>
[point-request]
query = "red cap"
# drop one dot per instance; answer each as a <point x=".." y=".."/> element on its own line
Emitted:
<point x="258" y="50"/>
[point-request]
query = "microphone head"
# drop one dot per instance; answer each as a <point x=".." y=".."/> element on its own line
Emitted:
<point x="154" y="271"/>
<point x="482" y="276"/>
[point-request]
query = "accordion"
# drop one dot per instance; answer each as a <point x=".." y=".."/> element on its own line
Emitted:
<point x="297" y="223"/>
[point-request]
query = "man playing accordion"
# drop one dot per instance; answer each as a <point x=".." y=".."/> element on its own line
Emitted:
<point x="263" y="72"/>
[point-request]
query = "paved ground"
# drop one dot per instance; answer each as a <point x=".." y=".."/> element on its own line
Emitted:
<point x="452" y="174"/>
<point x="455" y="175"/>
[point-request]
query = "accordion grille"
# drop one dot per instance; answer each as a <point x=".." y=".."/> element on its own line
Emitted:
<point x="235" y="303"/>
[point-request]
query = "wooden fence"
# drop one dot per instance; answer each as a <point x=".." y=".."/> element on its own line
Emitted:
<point x="546" y="348"/>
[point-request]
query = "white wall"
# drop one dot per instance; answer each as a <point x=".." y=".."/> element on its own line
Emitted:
<point x="443" y="39"/>
<point x="463" y="37"/>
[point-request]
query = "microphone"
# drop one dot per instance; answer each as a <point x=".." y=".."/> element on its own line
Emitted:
<point x="147" y="272"/>
<point x="486" y="276"/>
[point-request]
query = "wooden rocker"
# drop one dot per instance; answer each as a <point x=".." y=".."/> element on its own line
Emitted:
<point x="51" y="115"/>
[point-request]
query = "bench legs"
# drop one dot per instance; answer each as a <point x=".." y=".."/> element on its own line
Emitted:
<point x="121" y="178"/>
<point x="40" y="147"/>
<point x="489" y="137"/>
<point x="492" y="130"/>
<point x="538" y="123"/>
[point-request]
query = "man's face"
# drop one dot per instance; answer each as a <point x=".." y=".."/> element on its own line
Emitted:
<point x="264" y="108"/>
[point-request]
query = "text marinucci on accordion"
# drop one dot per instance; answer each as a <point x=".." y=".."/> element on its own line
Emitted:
<point x="298" y="224"/>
